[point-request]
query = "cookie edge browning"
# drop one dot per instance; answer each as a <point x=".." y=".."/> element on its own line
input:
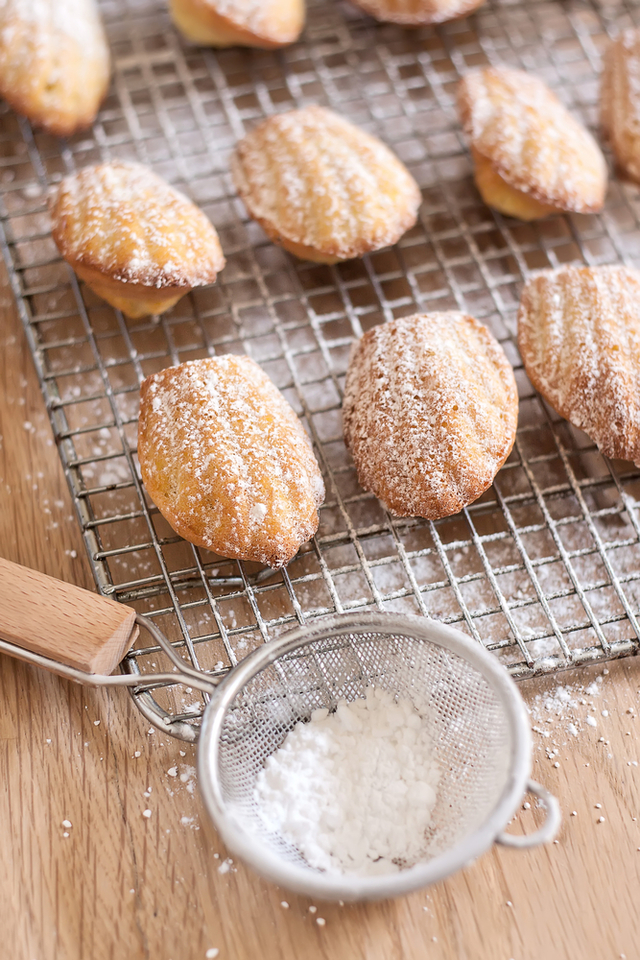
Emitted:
<point x="625" y="156"/>
<point x="272" y="559"/>
<point x="191" y="16"/>
<point x="465" y="7"/>
<point x="606" y="445"/>
<point x="434" y="508"/>
<point x="333" y="252"/>
<point x="132" y="296"/>
<point x="562" y="204"/>
<point x="58" y="120"/>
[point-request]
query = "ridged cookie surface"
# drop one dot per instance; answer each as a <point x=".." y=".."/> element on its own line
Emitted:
<point x="252" y="23"/>
<point x="579" y="336"/>
<point x="620" y="103"/>
<point x="321" y="187"/>
<point x="54" y="61"/>
<point x="226" y="460"/>
<point x="413" y="13"/>
<point x="129" y="234"/>
<point x="531" y="141"/>
<point x="430" y="412"/>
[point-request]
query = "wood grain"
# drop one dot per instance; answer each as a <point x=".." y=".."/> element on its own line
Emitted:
<point x="123" y="886"/>
<point x="62" y="621"/>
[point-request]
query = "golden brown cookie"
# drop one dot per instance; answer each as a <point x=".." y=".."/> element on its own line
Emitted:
<point x="249" y="23"/>
<point x="137" y="242"/>
<point x="322" y="188"/>
<point x="416" y="13"/>
<point x="620" y="101"/>
<point x="430" y="412"/>
<point x="579" y="336"/>
<point x="54" y="62"/>
<point x="531" y="156"/>
<point x="226" y="460"/>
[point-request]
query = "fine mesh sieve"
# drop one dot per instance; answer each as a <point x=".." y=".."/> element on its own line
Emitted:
<point x="471" y="707"/>
<point x="478" y="721"/>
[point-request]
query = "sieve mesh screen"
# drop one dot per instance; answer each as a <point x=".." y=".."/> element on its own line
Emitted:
<point x="464" y="714"/>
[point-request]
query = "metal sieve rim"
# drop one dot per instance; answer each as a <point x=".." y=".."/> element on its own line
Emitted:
<point x="337" y="887"/>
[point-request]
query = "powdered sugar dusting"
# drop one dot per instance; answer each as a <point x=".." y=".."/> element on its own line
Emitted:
<point x="415" y="12"/>
<point x="621" y="100"/>
<point x="250" y="14"/>
<point x="312" y="178"/>
<point x="579" y="336"/>
<point x="227" y="461"/>
<point x="125" y="221"/>
<point x="268" y="23"/>
<point x="516" y="122"/>
<point x="430" y="412"/>
<point x="54" y="60"/>
<point x="75" y="18"/>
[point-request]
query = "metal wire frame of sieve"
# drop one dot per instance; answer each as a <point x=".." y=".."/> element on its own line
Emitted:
<point x="545" y="568"/>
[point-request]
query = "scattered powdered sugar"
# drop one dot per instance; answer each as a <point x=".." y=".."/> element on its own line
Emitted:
<point x="188" y="777"/>
<point x="353" y="790"/>
<point x="312" y="178"/>
<point x="562" y="713"/>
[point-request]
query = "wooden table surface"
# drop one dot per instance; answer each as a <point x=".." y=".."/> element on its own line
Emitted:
<point x="118" y="885"/>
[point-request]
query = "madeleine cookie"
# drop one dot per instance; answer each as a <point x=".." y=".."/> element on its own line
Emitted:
<point x="54" y="62"/>
<point x="224" y="23"/>
<point x="226" y="460"/>
<point x="416" y="13"/>
<point x="322" y="188"/>
<point x="531" y="156"/>
<point x="579" y="336"/>
<point x="620" y="101"/>
<point x="430" y="412"/>
<point x="137" y="242"/>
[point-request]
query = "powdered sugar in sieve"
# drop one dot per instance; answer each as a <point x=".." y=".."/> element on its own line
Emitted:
<point x="365" y="756"/>
<point x="354" y="790"/>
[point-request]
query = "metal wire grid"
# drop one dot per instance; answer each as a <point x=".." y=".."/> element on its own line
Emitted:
<point x="544" y="568"/>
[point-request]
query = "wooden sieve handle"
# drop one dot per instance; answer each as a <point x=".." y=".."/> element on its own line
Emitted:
<point x="63" y="622"/>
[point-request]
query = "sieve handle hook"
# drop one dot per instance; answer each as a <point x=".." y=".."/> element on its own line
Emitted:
<point x="549" y="828"/>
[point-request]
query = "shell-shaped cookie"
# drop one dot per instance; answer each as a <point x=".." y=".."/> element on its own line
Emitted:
<point x="226" y="460"/>
<point x="250" y="23"/>
<point x="415" y="13"/>
<point x="54" y="61"/>
<point x="138" y="242"/>
<point x="620" y="101"/>
<point x="519" y="129"/>
<point x="579" y="336"/>
<point x="322" y="188"/>
<point x="430" y="412"/>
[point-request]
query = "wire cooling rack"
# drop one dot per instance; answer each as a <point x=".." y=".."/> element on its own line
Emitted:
<point x="545" y="568"/>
